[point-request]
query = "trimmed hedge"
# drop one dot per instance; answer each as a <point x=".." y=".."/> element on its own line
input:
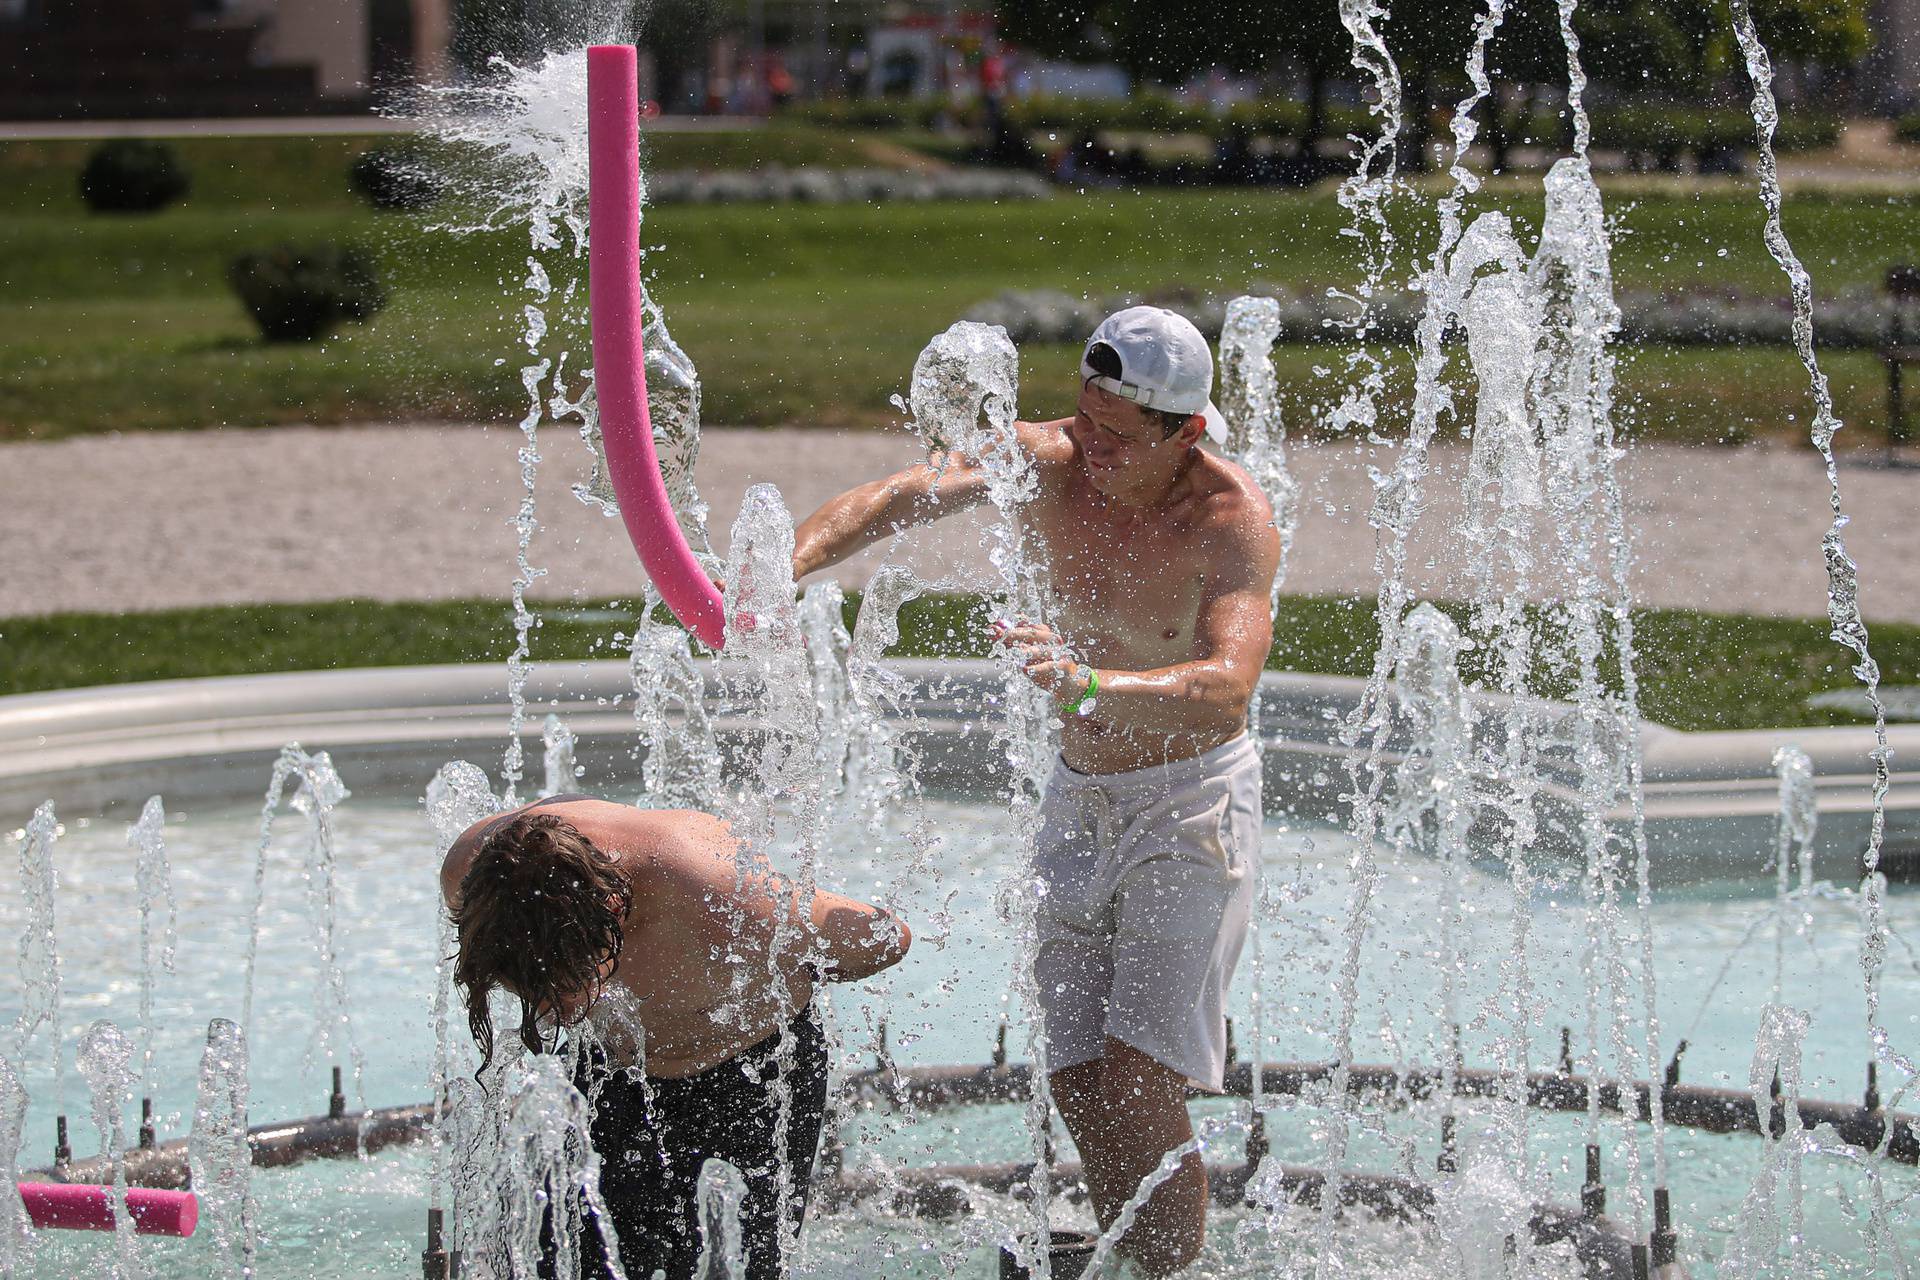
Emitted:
<point x="302" y="292"/>
<point x="1907" y="128"/>
<point x="395" y="177"/>
<point x="132" y="175"/>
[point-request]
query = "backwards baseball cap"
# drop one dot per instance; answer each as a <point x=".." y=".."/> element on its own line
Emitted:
<point x="1164" y="364"/>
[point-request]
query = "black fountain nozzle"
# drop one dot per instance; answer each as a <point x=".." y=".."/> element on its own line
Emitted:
<point x="1665" y="1242"/>
<point x="1257" y="1144"/>
<point x="1233" y="1050"/>
<point x="1641" y="1271"/>
<point x="1000" y="1046"/>
<point x="1448" y="1161"/>
<point x="146" y="1124"/>
<point x="435" y="1262"/>
<point x="1673" y="1066"/>
<point x="1566" y="1051"/>
<point x="1068" y="1253"/>
<point x="1872" y="1102"/>
<point x="1593" y="1192"/>
<point x="62" y="1150"/>
<point x="337" y="1101"/>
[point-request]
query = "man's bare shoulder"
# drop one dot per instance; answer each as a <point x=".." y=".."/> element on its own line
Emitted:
<point x="1230" y="500"/>
<point x="640" y="840"/>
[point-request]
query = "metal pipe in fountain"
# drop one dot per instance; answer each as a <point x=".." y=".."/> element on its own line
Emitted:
<point x="615" y="304"/>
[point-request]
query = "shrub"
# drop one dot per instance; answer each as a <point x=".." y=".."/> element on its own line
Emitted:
<point x="1712" y="135"/>
<point x="1907" y="128"/>
<point x="132" y="175"/>
<point x="395" y="177"/>
<point x="298" y="293"/>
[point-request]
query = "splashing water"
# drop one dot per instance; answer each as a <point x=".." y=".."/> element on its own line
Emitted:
<point x="39" y="944"/>
<point x="16" y="1233"/>
<point x="154" y="883"/>
<point x="558" y="742"/>
<point x="1433" y="804"/>
<point x="1250" y="401"/>
<point x="823" y="625"/>
<point x="1249" y="393"/>
<point x="529" y="130"/>
<point x="1793" y="845"/>
<point x="1398" y="505"/>
<point x="1843" y="577"/>
<point x="106" y="1064"/>
<point x="682" y="765"/>
<point x="764" y="673"/>
<point x="1364" y="196"/>
<point x="1774" y="1079"/>
<point x="723" y="1251"/>
<point x="317" y="792"/>
<point x="767" y="688"/>
<point x="963" y="398"/>
<point x="1482" y="1210"/>
<point x="458" y="796"/>
<point x="549" y="1174"/>
<point x="217" y="1152"/>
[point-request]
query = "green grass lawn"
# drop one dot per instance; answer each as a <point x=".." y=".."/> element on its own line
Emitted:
<point x="1697" y="670"/>
<point x="795" y="314"/>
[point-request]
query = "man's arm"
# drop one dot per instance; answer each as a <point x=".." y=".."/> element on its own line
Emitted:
<point x="946" y="484"/>
<point x="1234" y="635"/>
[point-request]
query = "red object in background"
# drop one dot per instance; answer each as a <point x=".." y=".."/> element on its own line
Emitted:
<point x="76" y="1206"/>
<point x="993" y="75"/>
<point x="649" y="109"/>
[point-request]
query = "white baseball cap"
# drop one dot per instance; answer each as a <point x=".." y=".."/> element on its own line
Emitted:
<point x="1165" y="364"/>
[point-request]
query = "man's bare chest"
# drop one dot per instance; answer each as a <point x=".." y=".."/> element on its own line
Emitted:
<point x="1137" y="586"/>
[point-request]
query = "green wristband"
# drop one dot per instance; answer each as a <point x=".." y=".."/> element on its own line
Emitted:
<point x="1086" y="694"/>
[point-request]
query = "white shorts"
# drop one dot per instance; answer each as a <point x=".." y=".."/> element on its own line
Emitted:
<point x="1147" y="883"/>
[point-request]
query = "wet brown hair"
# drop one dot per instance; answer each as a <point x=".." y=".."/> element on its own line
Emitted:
<point x="542" y="909"/>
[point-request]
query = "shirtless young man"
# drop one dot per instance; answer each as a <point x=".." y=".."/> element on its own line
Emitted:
<point x="641" y="921"/>
<point x="1162" y="558"/>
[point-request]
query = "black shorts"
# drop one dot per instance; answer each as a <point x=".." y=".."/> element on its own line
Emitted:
<point x="651" y="1152"/>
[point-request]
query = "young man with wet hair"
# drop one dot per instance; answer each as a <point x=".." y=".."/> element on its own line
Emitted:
<point x="1161" y="557"/>
<point x="695" y="970"/>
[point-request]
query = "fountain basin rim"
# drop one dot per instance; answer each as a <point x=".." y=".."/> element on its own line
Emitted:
<point x="104" y="749"/>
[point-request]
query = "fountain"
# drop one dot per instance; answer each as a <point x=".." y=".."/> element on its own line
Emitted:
<point x="1452" y="1050"/>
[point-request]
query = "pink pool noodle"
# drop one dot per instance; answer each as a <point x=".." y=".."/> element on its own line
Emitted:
<point x="619" y="371"/>
<point x="78" y="1206"/>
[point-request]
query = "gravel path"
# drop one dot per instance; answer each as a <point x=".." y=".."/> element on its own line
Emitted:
<point x="400" y="513"/>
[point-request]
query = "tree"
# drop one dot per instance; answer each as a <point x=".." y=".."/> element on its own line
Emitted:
<point x="1163" y="43"/>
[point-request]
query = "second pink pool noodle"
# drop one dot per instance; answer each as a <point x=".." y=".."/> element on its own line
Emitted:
<point x="79" y="1206"/>
<point x="619" y="371"/>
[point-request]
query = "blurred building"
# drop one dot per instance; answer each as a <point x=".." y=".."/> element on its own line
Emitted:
<point x="1893" y="68"/>
<point x="109" y="59"/>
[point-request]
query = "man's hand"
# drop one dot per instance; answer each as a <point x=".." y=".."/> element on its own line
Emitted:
<point x="1044" y="658"/>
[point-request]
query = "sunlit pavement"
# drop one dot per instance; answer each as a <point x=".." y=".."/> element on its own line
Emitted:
<point x="397" y="512"/>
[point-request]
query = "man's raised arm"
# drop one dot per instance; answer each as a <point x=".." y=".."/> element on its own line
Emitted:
<point x="944" y="485"/>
